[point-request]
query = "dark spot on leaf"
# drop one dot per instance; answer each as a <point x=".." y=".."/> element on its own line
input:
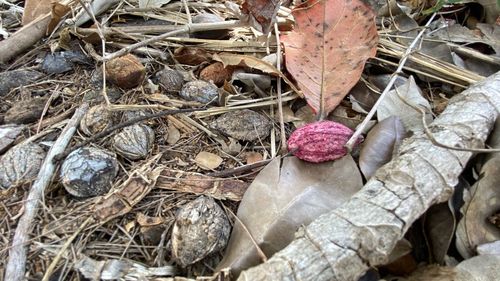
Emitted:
<point x="317" y="25"/>
<point x="326" y="26"/>
<point x="318" y="34"/>
<point x="365" y="13"/>
<point x="331" y="48"/>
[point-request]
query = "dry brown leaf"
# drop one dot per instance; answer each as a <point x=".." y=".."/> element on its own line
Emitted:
<point x="380" y="144"/>
<point x="327" y="50"/>
<point x="35" y="8"/>
<point x="282" y="199"/>
<point x="254" y="63"/>
<point x="207" y="160"/>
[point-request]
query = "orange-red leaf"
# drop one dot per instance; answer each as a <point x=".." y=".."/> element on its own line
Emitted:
<point x="328" y="48"/>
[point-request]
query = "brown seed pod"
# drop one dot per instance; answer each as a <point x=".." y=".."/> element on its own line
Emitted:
<point x="89" y="171"/>
<point x="201" y="228"/>
<point x="171" y="80"/>
<point x="243" y="124"/>
<point x="21" y="163"/>
<point x="200" y="91"/>
<point x="134" y="142"/>
<point x="125" y="72"/>
<point x="96" y="120"/>
<point x="217" y="73"/>
<point x="320" y="141"/>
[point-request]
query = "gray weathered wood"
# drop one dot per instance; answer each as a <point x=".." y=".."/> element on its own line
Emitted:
<point x="343" y="244"/>
<point x="16" y="264"/>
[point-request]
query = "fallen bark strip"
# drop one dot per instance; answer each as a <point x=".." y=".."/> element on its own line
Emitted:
<point x="344" y="243"/>
<point x="16" y="265"/>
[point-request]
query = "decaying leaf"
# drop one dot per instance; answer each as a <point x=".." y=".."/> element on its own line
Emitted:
<point x="254" y="63"/>
<point x="280" y="200"/>
<point x="480" y="202"/>
<point x="218" y="188"/>
<point x="262" y="13"/>
<point x="327" y="49"/>
<point x="35" y="8"/>
<point x="380" y="145"/>
<point x="207" y="160"/>
<point x="440" y="228"/>
<point x="57" y="13"/>
<point x="396" y="103"/>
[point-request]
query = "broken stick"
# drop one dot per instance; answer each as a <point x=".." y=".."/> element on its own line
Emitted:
<point x="344" y="243"/>
<point x="16" y="264"/>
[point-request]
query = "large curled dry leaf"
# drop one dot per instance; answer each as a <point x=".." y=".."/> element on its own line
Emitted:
<point x="280" y="200"/>
<point x="480" y="202"/>
<point x="328" y="48"/>
<point x="382" y="142"/>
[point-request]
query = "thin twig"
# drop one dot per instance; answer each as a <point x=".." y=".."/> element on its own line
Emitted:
<point x="279" y="91"/>
<point x="352" y="141"/>
<point x="238" y="170"/>
<point x="103" y="46"/>
<point x="261" y="253"/>
<point x="189" y="28"/>
<point x="123" y="125"/>
<point x="431" y="137"/>
<point x="16" y="264"/>
<point x="53" y="264"/>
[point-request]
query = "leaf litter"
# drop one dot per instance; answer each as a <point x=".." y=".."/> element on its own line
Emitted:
<point x="230" y="149"/>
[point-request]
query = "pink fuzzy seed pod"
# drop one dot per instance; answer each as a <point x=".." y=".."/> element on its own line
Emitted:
<point x="320" y="141"/>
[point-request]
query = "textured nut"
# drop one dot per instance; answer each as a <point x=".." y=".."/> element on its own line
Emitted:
<point x="125" y="72"/>
<point x="134" y="142"/>
<point x="200" y="91"/>
<point x="320" y="141"/>
<point x="89" y="171"/>
<point x="96" y="120"/>
<point x="171" y="80"/>
<point x="217" y="73"/>
<point x="21" y="163"/>
<point x="201" y="228"/>
<point x="243" y="124"/>
<point x="26" y="111"/>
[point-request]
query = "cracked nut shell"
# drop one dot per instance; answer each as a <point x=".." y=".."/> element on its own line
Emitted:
<point x="134" y="142"/>
<point x="125" y="72"/>
<point x="20" y="163"/>
<point x="200" y="91"/>
<point x="96" y="120"/>
<point x="89" y="171"/>
<point x="201" y="228"/>
<point x="243" y="124"/>
<point x="171" y="80"/>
